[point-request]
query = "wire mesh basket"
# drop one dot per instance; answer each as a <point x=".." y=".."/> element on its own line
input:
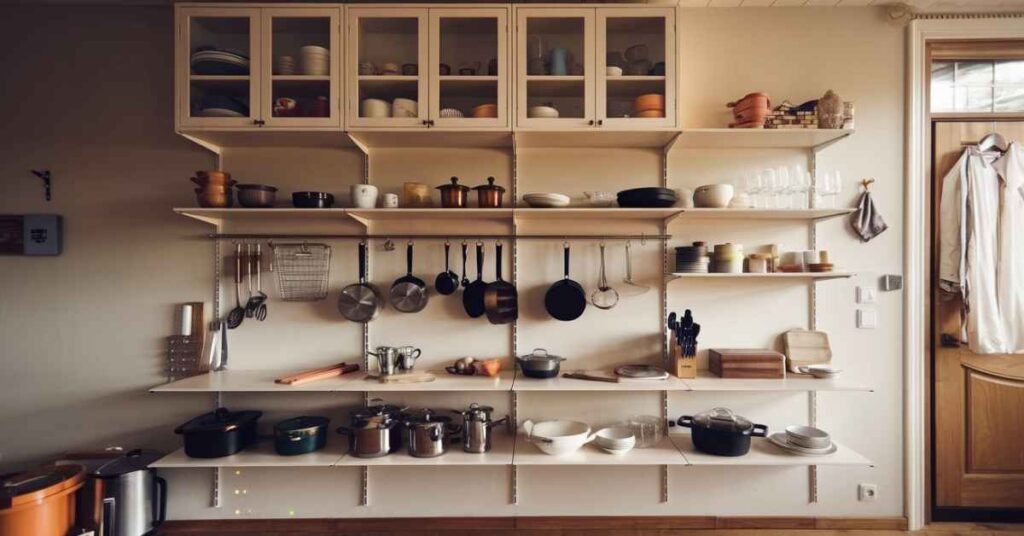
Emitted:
<point x="302" y="271"/>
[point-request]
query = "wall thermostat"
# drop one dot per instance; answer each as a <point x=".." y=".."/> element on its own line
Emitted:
<point x="31" y="234"/>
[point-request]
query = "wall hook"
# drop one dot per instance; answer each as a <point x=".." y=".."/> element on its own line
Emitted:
<point x="45" y="176"/>
<point x="866" y="183"/>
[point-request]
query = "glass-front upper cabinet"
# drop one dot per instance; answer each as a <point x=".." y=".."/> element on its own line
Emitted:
<point x="218" y="67"/>
<point x="636" y="67"/>
<point x="388" y="54"/>
<point x="555" y="71"/>
<point x="301" y="49"/>
<point x="469" y="77"/>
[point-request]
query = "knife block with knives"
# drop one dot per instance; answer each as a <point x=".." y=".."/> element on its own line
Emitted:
<point x="683" y="334"/>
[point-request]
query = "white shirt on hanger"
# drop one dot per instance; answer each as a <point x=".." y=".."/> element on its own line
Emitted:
<point x="1010" y="278"/>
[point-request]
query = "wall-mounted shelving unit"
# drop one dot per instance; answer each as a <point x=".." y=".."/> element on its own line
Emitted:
<point x="592" y="102"/>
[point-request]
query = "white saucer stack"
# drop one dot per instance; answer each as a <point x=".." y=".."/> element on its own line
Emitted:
<point x="315" y="60"/>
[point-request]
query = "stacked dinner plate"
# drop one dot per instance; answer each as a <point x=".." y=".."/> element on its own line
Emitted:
<point x="804" y="441"/>
<point x="219" y="61"/>
<point x="692" y="259"/>
<point x="220" y="106"/>
<point x="315" y="60"/>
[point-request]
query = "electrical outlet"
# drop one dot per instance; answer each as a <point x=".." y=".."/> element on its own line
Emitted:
<point x="867" y="492"/>
<point x="865" y="295"/>
<point x="867" y="318"/>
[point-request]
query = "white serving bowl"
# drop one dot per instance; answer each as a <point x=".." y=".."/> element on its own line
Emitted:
<point x="544" y="112"/>
<point x="546" y="200"/>
<point x="808" y="437"/>
<point x="558" y="438"/>
<point x="713" y="196"/>
<point x="820" y="371"/>
<point x="615" y="439"/>
<point x="374" y="108"/>
<point x="404" y="108"/>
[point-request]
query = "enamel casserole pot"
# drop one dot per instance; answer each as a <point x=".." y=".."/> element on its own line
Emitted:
<point x="300" y="435"/>
<point x="219" y="433"/>
<point x="721" y="432"/>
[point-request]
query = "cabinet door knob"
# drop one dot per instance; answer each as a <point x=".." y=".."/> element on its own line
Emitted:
<point x="591" y="122"/>
<point x="600" y="122"/>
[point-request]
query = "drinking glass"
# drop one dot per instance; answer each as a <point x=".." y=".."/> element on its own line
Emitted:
<point x="785" y="188"/>
<point x="836" y="187"/>
<point x="802" y="186"/>
<point x="771" y="188"/>
<point x="754" y="186"/>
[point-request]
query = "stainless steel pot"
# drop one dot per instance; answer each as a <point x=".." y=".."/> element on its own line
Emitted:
<point x="429" y="434"/>
<point x="540" y="364"/>
<point x="122" y="497"/>
<point x="374" y="432"/>
<point x="476" y="428"/>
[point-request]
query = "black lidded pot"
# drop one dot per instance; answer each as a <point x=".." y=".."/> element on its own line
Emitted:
<point x="219" y="433"/>
<point x="300" y="435"/>
<point x="721" y="432"/>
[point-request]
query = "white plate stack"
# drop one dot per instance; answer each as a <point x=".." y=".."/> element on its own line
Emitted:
<point x="804" y="441"/>
<point x="315" y="60"/>
<point x="285" y="65"/>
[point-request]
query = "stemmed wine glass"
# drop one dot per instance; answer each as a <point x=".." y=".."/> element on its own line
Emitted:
<point x="770" y="188"/>
<point x="754" y="186"/>
<point x="785" y="188"/>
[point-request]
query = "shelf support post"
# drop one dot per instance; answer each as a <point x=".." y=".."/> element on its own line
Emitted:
<point x="364" y="496"/>
<point x="812" y="397"/>
<point x="515" y="430"/>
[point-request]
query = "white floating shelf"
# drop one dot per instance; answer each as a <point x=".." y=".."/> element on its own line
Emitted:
<point x="219" y="216"/>
<point x="262" y="455"/>
<point x="597" y="138"/>
<point x="814" y="214"/>
<point x="249" y="381"/>
<point x="754" y="138"/>
<point x="443" y="382"/>
<point x="764" y="277"/>
<point x="523" y="383"/>
<point x="764" y="453"/>
<point x="610" y="213"/>
<point x="370" y="138"/>
<point x="705" y="381"/>
<point x="218" y="139"/>
<point x="425" y="214"/>
<point x="664" y="453"/>
<point x="501" y="454"/>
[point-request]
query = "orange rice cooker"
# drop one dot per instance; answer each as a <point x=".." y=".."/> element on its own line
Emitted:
<point x="40" y="502"/>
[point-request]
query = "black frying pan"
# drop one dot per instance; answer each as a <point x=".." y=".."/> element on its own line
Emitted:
<point x="446" y="282"/>
<point x="500" y="298"/>
<point x="565" y="300"/>
<point x="473" y="297"/>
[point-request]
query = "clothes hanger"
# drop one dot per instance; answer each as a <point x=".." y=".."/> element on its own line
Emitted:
<point x="993" y="141"/>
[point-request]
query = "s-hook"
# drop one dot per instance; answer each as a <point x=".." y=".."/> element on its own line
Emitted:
<point x="45" y="176"/>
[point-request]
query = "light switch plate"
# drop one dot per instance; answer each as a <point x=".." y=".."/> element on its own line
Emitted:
<point x="866" y="295"/>
<point x="867" y="318"/>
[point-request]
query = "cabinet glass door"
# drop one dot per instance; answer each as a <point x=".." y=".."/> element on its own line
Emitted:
<point x="636" y="67"/>
<point x="387" y="55"/>
<point x="469" y="67"/>
<point x="300" y="49"/>
<point x="555" y="67"/>
<point x="218" y="67"/>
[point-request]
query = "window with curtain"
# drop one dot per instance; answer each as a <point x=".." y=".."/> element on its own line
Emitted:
<point x="985" y="86"/>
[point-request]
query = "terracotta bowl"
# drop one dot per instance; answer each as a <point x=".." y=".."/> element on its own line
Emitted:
<point x="650" y="101"/>
<point x="486" y="111"/>
<point x="650" y="113"/>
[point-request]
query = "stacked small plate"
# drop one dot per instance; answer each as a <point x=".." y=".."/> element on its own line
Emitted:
<point x="220" y="106"/>
<point x="315" y="60"/>
<point x="214" y="61"/>
<point x="692" y="259"/>
<point x="285" y="65"/>
<point x="546" y="200"/>
<point x="616" y="440"/>
<point x="804" y="441"/>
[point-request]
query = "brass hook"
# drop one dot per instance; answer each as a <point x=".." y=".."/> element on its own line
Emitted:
<point x="866" y="183"/>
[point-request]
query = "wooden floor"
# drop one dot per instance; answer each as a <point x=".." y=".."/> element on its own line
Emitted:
<point x="278" y="528"/>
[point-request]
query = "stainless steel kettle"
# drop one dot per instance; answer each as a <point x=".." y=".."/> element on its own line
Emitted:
<point x="123" y="497"/>
<point x="476" y="428"/>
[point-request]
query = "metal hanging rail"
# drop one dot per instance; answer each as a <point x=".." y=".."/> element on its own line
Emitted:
<point x="453" y="236"/>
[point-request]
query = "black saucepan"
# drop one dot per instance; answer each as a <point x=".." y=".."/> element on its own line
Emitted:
<point x="565" y="300"/>
<point x="473" y="297"/>
<point x="408" y="293"/>
<point x="501" y="300"/>
<point x="446" y="282"/>
<point x="721" y="432"/>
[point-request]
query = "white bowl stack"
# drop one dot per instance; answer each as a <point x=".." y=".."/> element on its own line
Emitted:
<point x="616" y="440"/>
<point x="285" y="65"/>
<point x="315" y="60"/>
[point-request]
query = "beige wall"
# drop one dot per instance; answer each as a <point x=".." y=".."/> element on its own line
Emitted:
<point x="82" y="333"/>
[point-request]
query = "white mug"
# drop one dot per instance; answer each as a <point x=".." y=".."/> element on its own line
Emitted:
<point x="390" y="200"/>
<point x="364" y="195"/>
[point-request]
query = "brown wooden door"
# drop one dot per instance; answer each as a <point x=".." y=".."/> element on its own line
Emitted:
<point x="978" y="399"/>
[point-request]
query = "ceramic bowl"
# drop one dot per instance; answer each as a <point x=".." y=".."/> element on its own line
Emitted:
<point x="820" y="371"/>
<point x="713" y="196"/>
<point x="649" y="101"/>
<point x="486" y="111"/>
<point x="404" y="108"/>
<point x="546" y="112"/>
<point x="374" y="108"/>
<point x="613" y="70"/>
<point x="616" y="439"/>
<point x="650" y="114"/>
<point x="546" y="200"/>
<point x="600" y="199"/>
<point x="808" y="437"/>
<point x="558" y="438"/>
<point x="451" y="113"/>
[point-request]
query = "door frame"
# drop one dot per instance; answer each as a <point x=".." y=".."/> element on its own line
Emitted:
<point x="917" y="266"/>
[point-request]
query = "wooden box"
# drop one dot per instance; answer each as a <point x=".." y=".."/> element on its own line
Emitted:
<point x="746" y="363"/>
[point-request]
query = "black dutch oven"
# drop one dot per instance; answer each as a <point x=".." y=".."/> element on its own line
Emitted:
<point x="219" y="433"/>
<point x="300" y="435"/>
<point x="721" y="432"/>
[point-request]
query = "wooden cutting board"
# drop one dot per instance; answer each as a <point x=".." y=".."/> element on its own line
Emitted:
<point x="804" y="347"/>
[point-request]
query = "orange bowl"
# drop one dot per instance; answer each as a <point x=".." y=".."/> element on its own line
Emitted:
<point x="486" y="111"/>
<point x="650" y="113"/>
<point x="650" y="101"/>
